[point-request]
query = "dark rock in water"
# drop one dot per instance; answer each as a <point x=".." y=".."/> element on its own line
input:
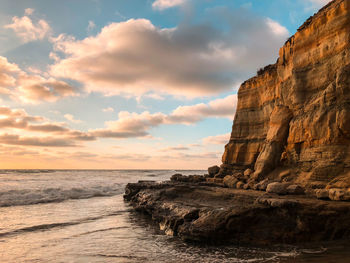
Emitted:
<point x="212" y="171"/>
<point x="133" y="189"/>
<point x="203" y="213"/>
<point x="176" y="177"/>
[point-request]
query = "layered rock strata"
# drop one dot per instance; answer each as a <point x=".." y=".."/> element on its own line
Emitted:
<point x="206" y="213"/>
<point x="295" y="115"/>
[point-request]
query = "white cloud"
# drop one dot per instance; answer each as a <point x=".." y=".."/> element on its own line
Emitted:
<point x="29" y="11"/>
<point x="165" y="4"/>
<point x="319" y="2"/>
<point x="135" y="57"/>
<point x="109" y="109"/>
<point x="71" y="118"/>
<point x="27" y="30"/>
<point x="218" y="139"/>
<point x="277" y="28"/>
<point x="91" y="26"/>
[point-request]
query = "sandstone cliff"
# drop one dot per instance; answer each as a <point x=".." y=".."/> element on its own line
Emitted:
<point x="293" y="118"/>
<point x="290" y="140"/>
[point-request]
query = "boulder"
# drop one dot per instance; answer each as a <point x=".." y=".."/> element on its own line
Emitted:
<point x="240" y="185"/>
<point x="277" y="188"/>
<point x="230" y="181"/>
<point x="248" y="172"/>
<point x="322" y="194"/>
<point x="261" y="186"/>
<point x="339" y="195"/>
<point x="213" y="170"/>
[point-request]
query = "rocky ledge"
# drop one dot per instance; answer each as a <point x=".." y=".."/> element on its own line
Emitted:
<point x="195" y="210"/>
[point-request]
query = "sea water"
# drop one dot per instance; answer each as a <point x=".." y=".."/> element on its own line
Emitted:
<point x="80" y="216"/>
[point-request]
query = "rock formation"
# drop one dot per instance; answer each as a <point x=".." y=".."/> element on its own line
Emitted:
<point x="294" y="116"/>
<point x="211" y="214"/>
<point x="290" y="140"/>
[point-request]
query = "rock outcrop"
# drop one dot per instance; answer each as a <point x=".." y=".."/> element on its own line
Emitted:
<point x="207" y="213"/>
<point x="295" y="115"/>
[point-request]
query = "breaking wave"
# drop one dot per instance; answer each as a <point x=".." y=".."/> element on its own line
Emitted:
<point x="49" y="195"/>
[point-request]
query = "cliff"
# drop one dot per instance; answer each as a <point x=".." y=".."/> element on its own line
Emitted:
<point x="293" y="118"/>
<point x="290" y="142"/>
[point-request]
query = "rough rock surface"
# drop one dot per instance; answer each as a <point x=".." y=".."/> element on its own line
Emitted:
<point x="206" y="213"/>
<point x="295" y="114"/>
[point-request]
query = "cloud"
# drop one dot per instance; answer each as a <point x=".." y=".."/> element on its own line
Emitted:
<point x="19" y="119"/>
<point x="47" y="127"/>
<point x="29" y="11"/>
<point x="7" y="71"/>
<point x="109" y="109"/>
<point x="30" y="88"/>
<point x="225" y="107"/>
<point x="18" y="114"/>
<point x="218" y="139"/>
<point x="27" y="30"/>
<point x="13" y="139"/>
<point x="165" y="4"/>
<point x="130" y="157"/>
<point x="175" y="148"/>
<point x="277" y="28"/>
<point x="84" y="155"/>
<point x="315" y="4"/>
<point x="91" y="26"/>
<point x="71" y="118"/>
<point x="135" y="57"/>
<point x="319" y="2"/>
<point x="190" y="156"/>
<point x="130" y="125"/>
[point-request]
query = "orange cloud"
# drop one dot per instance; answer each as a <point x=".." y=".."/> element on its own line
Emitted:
<point x="24" y="87"/>
<point x="131" y="125"/>
<point x="13" y="139"/>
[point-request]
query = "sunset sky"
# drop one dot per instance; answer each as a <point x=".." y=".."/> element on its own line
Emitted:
<point x="117" y="84"/>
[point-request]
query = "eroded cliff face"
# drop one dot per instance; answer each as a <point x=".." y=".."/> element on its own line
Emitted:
<point x="294" y="116"/>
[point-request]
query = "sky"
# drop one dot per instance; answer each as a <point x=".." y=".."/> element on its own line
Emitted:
<point x="137" y="84"/>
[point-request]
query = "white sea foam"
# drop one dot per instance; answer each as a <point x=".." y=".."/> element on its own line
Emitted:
<point x="48" y="195"/>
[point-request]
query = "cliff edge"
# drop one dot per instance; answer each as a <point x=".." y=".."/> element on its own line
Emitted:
<point x="290" y="142"/>
<point x="293" y="119"/>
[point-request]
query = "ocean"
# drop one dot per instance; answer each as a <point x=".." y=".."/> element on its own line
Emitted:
<point x="80" y="216"/>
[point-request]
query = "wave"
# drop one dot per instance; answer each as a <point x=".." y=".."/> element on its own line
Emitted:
<point x="45" y="227"/>
<point x="50" y="195"/>
<point x="26" y="171"/>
